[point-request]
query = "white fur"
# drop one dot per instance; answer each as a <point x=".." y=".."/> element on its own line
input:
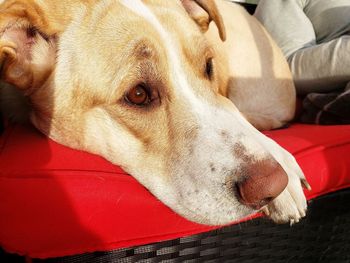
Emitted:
<point x="189" y="186"/>
<point x="209" y="145"/>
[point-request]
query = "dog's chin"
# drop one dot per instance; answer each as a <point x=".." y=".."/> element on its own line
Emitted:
<point x="201" y="208"/>
<point x="222" y="215"/>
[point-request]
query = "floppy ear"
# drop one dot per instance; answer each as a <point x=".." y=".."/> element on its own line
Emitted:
<point x="27" y="56"/>
<point x="203" y="12"/>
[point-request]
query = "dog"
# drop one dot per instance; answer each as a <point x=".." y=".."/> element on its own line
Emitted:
<point x="172" y="91"/>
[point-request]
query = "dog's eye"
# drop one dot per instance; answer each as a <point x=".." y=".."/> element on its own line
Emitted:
<point x="138" y="95"/>
<point x="209" y="68"/>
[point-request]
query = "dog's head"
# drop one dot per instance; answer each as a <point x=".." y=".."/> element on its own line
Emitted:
<point x="138" y="83"/>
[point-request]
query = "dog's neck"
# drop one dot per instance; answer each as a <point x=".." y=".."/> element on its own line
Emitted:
<point x="14" y="106"/>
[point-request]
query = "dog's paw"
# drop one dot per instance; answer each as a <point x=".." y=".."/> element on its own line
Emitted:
<point x="290" y="206"/>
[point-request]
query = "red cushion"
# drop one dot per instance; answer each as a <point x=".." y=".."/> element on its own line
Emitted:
<point x="55" y="201"/>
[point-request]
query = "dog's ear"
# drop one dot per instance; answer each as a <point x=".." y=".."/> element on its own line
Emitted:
<point x="203" y="12"/>
<point x="27" y="55"/>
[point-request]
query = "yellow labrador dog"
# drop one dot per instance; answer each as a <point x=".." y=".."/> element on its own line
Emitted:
<point x="154" y="87"/>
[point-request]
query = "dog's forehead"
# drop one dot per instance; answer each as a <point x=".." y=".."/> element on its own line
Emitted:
<point x="107" y="36"/>
<point x="122" y="22"/>
<point x="162" y="16"/>
<point x="146" y="8"/>
<point x="123" y="26"/>
<point x="169" y="31"/>
<point x="120" y="25"/>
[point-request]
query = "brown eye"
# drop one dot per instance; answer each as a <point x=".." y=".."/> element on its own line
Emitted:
<point x="209" y="68"/>
<point x="138" y="95"/>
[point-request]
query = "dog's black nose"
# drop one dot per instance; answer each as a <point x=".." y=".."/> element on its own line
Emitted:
<point x="263" y="181"/>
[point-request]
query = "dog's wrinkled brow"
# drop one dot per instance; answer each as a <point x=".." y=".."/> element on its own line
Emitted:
<point x="142" y="49"/>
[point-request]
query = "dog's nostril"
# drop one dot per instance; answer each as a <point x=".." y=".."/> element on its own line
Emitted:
<point x="267" y="200"/>
<point x="263" y="183"/>
<point x="260" y="204"/>
<point x="264" y="202"/>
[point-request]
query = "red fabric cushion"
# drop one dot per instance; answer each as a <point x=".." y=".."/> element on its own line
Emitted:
<point x="55" y="201"/>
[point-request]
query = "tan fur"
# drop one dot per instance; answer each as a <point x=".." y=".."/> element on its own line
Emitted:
<point x="85" y="56"/>
<point x="261" y="86"/>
